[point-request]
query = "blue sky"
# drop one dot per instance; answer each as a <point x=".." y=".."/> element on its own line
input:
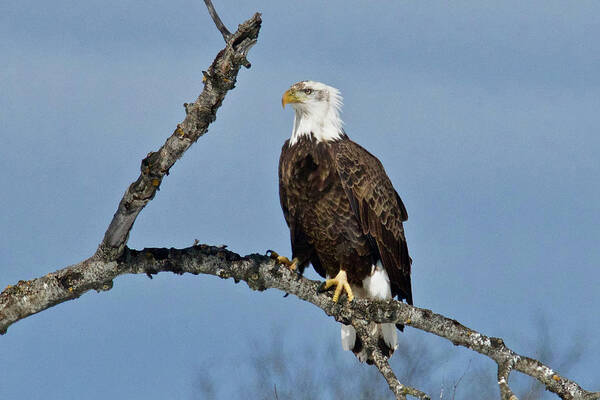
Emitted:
<point x="484" y="114"/>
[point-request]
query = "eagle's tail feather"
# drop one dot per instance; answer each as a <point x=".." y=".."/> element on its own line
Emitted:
<point x="348" y="337"/>
<point x="387" y="340"/>
<point x="389" y="335"/>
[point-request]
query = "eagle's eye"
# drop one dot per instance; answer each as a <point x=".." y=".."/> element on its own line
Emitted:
<point x="308" y="91"/>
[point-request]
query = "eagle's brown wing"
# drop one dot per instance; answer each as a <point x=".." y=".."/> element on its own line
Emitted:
<point x="302" y="249"/>
<point x="283" y="178"/>
<point x="379" y="210"/>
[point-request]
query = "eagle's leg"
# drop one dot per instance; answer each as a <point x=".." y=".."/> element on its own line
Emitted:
<point x="292" y="265"/>
<point x="341" y="283"/>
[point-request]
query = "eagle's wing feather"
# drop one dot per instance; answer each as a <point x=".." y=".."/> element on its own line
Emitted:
<point x="379" y="209"/>
<point x="301" y="246"/>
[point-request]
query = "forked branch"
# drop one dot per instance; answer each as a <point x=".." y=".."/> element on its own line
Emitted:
<point x="260" y="273"/>
<point x="218" y="79"/>
<point x="399" y="390"/>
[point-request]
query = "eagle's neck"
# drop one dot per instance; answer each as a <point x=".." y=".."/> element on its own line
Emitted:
<point x="320" y="120"/>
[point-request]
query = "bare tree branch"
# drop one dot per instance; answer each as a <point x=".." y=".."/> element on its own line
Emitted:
<point x="399" y="390"/>
<point x="218" y="80"/>
<point x="260" y="273"/>
<point x="215" y="17"/>
<point x="505" y="391"/>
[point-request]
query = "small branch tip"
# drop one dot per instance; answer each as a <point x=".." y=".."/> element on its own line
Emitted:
<point x="217" y="20"/>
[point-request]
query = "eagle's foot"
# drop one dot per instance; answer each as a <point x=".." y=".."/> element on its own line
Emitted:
<point x="282" y="260"/>
<point x="341" y="283"/>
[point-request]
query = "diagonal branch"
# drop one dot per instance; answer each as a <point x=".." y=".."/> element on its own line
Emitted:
<point x="399" y="390"/>
<point x="260" y="273"/>
<point x="503" y="373"/>
<point x="217" y="20"/>
<point x="218" y="80"/>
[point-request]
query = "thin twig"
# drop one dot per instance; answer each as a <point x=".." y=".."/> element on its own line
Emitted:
<point x="455" y="386"/>
<point x="215" y="17"/>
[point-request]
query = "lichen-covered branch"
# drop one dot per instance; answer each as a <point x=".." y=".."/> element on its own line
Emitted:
<point x="399" y="390"/>
<point x="260" y="273"/>
<point x="30" y="297"/>
<point x="503" y="373"/>
<point x="218" y="79"/>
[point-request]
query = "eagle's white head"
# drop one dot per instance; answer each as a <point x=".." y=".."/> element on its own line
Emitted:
<point x="317" y="108"/>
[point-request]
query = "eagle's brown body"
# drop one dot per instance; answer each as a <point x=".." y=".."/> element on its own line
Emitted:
<point x="345" y="217"/>
<point x="343" y="212"/>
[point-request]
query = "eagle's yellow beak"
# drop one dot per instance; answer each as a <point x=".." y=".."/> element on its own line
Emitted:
<point x="289" y="97"/>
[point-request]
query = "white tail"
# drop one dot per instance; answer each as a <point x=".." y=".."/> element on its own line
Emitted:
<point x="374" y="286"/>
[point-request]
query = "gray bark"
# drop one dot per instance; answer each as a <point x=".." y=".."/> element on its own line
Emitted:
<point x="260" y="273"/>
<point x="218" y="79"/>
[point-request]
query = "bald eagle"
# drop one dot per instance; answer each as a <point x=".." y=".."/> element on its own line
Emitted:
<point x="345" y="217"/>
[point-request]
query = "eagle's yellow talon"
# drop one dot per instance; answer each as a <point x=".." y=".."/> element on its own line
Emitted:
<point x="329" y="283"/>
<point x="282" y="260"/>
<point x="341" y="283"/>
